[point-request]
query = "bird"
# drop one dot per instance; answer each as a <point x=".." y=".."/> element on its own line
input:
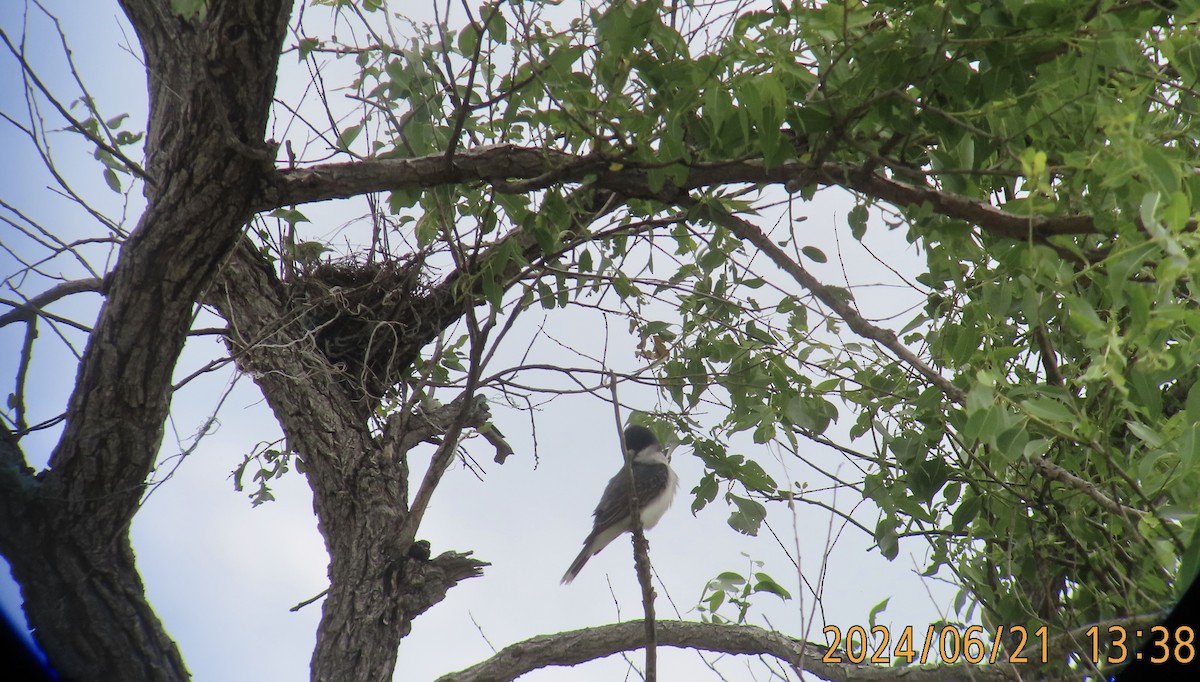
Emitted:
<point x="654" y="482"/>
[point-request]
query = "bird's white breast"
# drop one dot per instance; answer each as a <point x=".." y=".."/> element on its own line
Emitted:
<point x="654" y="510"/>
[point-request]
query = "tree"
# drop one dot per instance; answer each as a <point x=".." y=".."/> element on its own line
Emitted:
<point x="1033" y="421"/>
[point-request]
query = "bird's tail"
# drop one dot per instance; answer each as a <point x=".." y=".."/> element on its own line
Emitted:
<point x="577" y="565"/>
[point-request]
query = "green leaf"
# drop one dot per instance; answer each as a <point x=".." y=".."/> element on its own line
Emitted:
<point x="704" y="492"/>
<point x="349" y="135"/>
<point x="1144" y="433"/>
<point x="767" y="584"/>
<point x="468" y="39"/>
<point x="814" y="254"/>
<point x="497" y="28"/>
<point x="1164" y="172"/>
<point x="1189" y="564"/>
<point x="114" y="182"/>
<point x="427" y="229"/>
<point x="755" y="478"/>
<point x="1147" y="209"/>
<point x="306" y="46"/>
<point x="966" y="512"/>
<point x="290" y="216"/>
<point x="748" y="516"/>
<point x="887" y="538"/>
<point x="1048" y="409"/>
<point x="405" y="197"/>
<point x="858" y="221"/>
<point x="876" y="610"/>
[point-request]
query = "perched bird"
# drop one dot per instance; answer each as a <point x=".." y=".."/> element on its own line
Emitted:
<point x="654" y="483"/>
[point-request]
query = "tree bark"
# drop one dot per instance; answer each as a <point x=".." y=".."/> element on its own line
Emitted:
<point x="66" y="531"/>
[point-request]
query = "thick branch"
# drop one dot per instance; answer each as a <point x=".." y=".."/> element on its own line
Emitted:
<point x="579" y="646"/>
<point x="495" y="163"/>
<point x="542" y="168"/>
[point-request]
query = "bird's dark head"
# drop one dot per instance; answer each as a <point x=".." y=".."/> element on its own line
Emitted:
<point x="640" y="441"/>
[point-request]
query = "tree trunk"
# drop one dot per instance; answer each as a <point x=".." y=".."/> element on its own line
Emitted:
<point x="359" y="480"/>
<point x="66" y="531"/>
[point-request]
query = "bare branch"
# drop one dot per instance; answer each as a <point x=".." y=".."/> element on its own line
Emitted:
<point x="469" y="409"/>
<point x="641" y="548"/>
<point x="26" y="310"/>
<point x="580" y="646"/>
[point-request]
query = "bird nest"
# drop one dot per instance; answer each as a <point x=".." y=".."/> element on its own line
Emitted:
<point x="366" y="319"/>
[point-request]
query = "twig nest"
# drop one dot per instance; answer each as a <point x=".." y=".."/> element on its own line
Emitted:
<point x="364" y="316"/>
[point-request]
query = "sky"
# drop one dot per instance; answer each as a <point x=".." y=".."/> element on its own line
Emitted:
<point x="223" y="575"/>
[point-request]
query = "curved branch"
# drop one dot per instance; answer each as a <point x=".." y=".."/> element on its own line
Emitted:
<point x="986" y="216"/>
<point x="579" y="646"/>
<point x="25" y="311"/>
<point x="743" y="229"/>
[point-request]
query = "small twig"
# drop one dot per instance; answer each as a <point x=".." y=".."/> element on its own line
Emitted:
<point x="306" y="602"/>
<point x="641" y="547"/>
<point x="211" y="366"/>
<point x="464" y="103"/>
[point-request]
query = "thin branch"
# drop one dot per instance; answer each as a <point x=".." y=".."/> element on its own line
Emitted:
<point x="464" y="102"/>
<point x="17" y="399"/>
<point x="641" y="548"/>
<point x="789" y="496"/>
<point x="471" y="411"/>
<point x="745" y="230"/>
<point x="1049" y="358"/>
<point x="1055" y="472"/>
<point x="984" y="215"/>
<point x="23" y="311"/>
<point x="75" y="124"/>
<point x="210" y="366"/>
